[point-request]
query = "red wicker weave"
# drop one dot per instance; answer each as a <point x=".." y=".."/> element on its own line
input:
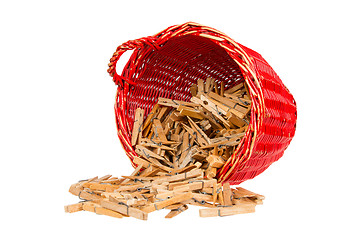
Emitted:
<point x="168" y="63"/>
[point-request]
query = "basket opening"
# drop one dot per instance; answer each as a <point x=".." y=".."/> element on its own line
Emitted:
<point x="169" y="67"/>
<point x="170" y="71"/>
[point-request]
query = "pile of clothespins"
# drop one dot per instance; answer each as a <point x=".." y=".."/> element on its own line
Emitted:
<point x="181" y="146"/>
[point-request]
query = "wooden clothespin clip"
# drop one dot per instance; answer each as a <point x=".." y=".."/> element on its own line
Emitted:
<point x="227" y="193"/>
<point x="194" y="90"/>
<point x="138" y="124"/>
<point x="124" y="209"/>
<point x="149" y="119"/>
<point x="162" y="204"/>
<point x="176" y="210"/>
<point x="226" y="211"/>
<point x="200" y="85"/>
<point x="234" y="88"/>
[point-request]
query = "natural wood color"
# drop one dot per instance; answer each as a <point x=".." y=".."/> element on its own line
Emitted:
<point x="240" y="192"/>
<point x="195" y="185"/>
<point x="146" y="153"/>
<point x="151" y="161"/>
<point x="200" y="85"/>
<point x="162" y="204"/>
<point x="212" y="119"/>
<point x="234" y="119"/>
<point x="125" y="210"/>
<point x="177" y="211"/>
<point x="182" y="176"/>
<point x="215" y="161"/>
<point x="149" y="118"/>
<point x="235" y="88"/>
<point x="211" y="109"/>
<point x="188" y="158"/>
<point x="162" y="112"/>
<point x="226" y="211"/>
<point x="210" y="172"/>
<point x="148" y="143"/>
<point x="194" y="90"/>
<point x="198" y="203"/>
<point x="222" y="89"/>
<point x="199" y="132"/>
<point x="214" y="193"/>
<point x="102" y="187"/>
<point x="190" y="112"/>
<point x="215" y="106"/>
<point x="241" y="101"/>
<point x="158" y="130"/>
<point x="216" y="88"/>
<point x="138" y="124"/>
<point x="231" y="141"/>
<point x="74" y="207"/>
<point x="96" y="208"/>
<point x="76" y="189"/>
<point x="174" y="103"/>
<point x="227" y="193"/>
<point x="179" y="149"/>
<point x="209" y="85"/>
<point x="220" y="194"/>
<point x="244" y="201"/>
<point x="231" y="104"/>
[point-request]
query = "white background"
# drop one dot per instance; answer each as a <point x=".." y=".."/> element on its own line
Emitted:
<point x="57" y="122"/>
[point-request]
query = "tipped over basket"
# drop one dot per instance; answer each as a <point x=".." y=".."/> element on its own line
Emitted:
<point x="168" y="63"/>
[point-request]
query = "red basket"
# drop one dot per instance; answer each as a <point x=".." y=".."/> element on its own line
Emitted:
<point x="168" y="63"/>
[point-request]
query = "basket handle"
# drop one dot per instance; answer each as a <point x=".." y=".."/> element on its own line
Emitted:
<point x="129" y="45"/>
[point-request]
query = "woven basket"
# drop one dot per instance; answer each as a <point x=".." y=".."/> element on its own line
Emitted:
<point x="168" y="63"/>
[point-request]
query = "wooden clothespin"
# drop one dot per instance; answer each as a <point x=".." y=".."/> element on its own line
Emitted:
<point x="98" y="209"/>
<point x="176" y="210"/>
<point x="211" y="108"/>
<point x="226" y="211"/>
<point x="216" y="88"/>
<point x="201" y="136"/>
<point x="74" y="207"/>
<point x="222" y="89"/>
<point x="190" y="112"/>
<point x="124" y="209"/>
<point x="200" y="85"/>
<point x="235" y="88"/>
<point x="138" y="124"/>
<point x="162" y="204"/>
<point x="149" y="119"/>
<point x="227" y="193"/>
<point x="215" y="161"/>
<point x="240" y="192"/>
<point x="209" y="85"/>
<point x="210" y="172"/>
<point x="159" y="131"/>
<point x="194" y="90"/>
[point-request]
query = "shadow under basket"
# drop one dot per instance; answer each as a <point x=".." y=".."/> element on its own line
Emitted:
<point x="168" y="63"/>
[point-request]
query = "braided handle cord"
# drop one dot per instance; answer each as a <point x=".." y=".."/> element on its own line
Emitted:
<point x="129" y="45"/>
<point x="262" y="143"/>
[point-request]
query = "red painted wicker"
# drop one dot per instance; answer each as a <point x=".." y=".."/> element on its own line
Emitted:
<point x="168" y="63"/>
